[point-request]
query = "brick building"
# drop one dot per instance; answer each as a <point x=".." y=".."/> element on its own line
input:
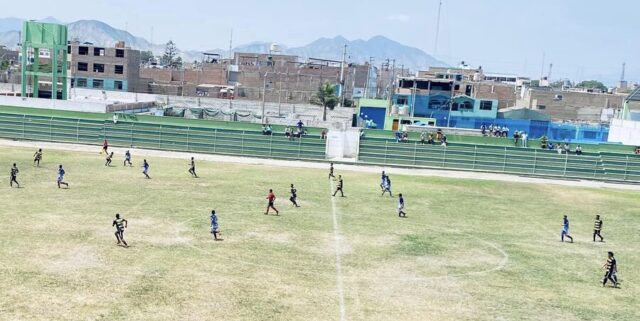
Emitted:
<point x="109" y="68"/>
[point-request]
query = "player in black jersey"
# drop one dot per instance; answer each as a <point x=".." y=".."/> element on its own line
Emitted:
<point x="192" y="168"/>
<point x="331" y="171"/>
<point x="597" y="229"/>
<point x="13" y="176"/>
<point x="109" y="159"/>
<point x="339" y="187"/>
<point x="37" y="157"/>
<point x="294" y="196"/>
<point x="127" y="159"/>
<point x="120" y="225"/>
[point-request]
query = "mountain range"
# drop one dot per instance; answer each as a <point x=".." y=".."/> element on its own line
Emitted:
<point x="380" y="47"/>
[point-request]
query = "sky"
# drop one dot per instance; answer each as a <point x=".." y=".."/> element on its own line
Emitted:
<point x="583" y="39"/>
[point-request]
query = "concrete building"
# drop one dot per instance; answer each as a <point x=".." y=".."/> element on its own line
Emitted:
<point x="570" y="105"/>
<point x="107" y="68"/>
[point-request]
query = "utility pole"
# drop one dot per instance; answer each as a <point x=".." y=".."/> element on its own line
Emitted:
<point x="435" y="46"/>
<point x="231" y="45"/>
<point x="366" y="85"/>
<point x="264" y="96"/>
<point x="344" y="58"/>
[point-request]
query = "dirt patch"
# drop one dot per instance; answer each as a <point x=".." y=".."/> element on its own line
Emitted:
<point x="158" y="232"/>
<point x="71" y="260"/>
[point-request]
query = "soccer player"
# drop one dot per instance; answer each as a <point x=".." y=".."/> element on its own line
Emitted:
<point x="294" y="196"/>
<point x="383" y="180"/>
<point x="145" y="169"/>
<point x="109" y="159"/>
<point x="127" y="159"/>
<point x="61" y="173"/>
<point x="120" y="225"/>
<point x="272" y="198"/>
<point x="13" y="176"/>
<point x="401" y="212"/>
<point x="37" y="157"/>
<point x="597" y="229"/>
<point x="386" y="187"/>
<point x="105" y="147"/>
<point x="214" y="225"/>
<point x="565" y="229"/>
<point x="340" y="187"/>
<point x="611" y="269"/>
<point x="192" y="168"/>
<point x="331" y="171"/>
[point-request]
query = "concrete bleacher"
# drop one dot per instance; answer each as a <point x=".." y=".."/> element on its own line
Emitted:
<point x="136" y="134"/>
<point x="501" y="159"/>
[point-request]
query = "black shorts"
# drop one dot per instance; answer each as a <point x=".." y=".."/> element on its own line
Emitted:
<point x="13" y="178"/>
<point x="270" y="204"/>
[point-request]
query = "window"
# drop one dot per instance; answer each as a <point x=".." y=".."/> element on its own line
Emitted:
<point x="468" y="90"/>
<point x="81" y="82"/>
<point x="119" y="53"/>
<point x="455" y="106"/>
<point x="83" y="51"/>
<point x="117" y="85"/>
<point x="119" y="70"/>
<point x="98" y="67"/>
<point x="402" y="101"/>
<point x="486" y="105"/>
<point x="466" y="105"/>
<point x="541" y="107"/>
<point x="98" y="83"/>
<point x="83" y="66"/>
<point x="98" y="51"/>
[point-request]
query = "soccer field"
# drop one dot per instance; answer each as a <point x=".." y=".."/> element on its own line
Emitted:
<point x="468" y="250"/>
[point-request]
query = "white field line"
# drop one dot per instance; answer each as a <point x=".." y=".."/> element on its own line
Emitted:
<point x="338" y="248"/>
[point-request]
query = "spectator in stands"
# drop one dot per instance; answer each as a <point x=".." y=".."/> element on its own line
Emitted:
<point x="266" y="130"/>
<point x="423" y="137"/>
<point x="498" y="131"/>
<point x="398" y="135"/>
<point x="300" y="125"/>
<point x="483" y="129"/>
<point x="516" y="137"/>
<point x="505" y="132"/>
<point x="405" y="137"/>
<point x="430" y="141"/>
<point x="637" y="151"/>
<point x="543" y="142"/>
<point x="566" y="148"/>
<point x="525" y="139"/>
<point x="323" y="134"/>
<point x="559" y="148"/>
<point x="444" y="141"/>
<point x="579" y="150"/>
<point x="288" y="133"/>
<point x="550" y="146"/>
<point x="439" y="134"/>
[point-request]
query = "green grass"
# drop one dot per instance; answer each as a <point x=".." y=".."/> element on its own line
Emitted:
<point x="469" y="250"/>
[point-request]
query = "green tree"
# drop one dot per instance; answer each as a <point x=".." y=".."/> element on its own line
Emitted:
<point x="146" y="56"/>
<point x="171" y="57"/>
<point x="592" y="84"/>
<point x="326" y="97"/>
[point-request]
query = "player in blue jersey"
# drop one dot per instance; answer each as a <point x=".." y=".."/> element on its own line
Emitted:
<point x="145" y="169"/>
<point x="565" y="230"/>
<point x="61" y="173"/>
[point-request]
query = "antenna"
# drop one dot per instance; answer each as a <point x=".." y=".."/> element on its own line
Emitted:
<point x="435" y="46"/>
<point x="624" y="66"/>
<point x="231" y="44"/>
<point x="549" y="73"/>
<point x="542" y="71"/>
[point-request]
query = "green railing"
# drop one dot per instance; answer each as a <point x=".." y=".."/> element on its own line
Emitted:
<point x="500" y="159"/>
<point x="159" y="136"/>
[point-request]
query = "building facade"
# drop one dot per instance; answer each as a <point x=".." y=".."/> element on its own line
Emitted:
<point x="108" y="68"/>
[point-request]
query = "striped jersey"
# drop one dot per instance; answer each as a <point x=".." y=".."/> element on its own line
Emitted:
<point x="38" y="155"/>
<point x="597" y="225"/>
<point x="119" y="223"/>
<point x="14" y="171"/>
<point x="340" y="184"/>
<point x="611" y="264"/>
<point x="294" y="192"/>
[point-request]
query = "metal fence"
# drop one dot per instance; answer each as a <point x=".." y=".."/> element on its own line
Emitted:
<point x="159" y="136"/>
<point x="498" y="159"/>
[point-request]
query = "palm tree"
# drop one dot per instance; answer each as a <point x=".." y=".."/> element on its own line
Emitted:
<point x="326" y="97"/>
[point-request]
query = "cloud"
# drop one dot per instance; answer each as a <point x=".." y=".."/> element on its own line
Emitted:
<point x="398" y="18"/>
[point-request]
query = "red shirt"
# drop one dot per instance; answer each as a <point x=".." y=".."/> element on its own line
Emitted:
<point x="105" y="144"/>
<point x="271" y="197"/>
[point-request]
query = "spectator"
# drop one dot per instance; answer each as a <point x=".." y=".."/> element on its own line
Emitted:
<point x="323" y="134"/>
<point x="398" y="135"/>
<point x="550" y="146"/>
<point x="566" y="148"/>
<point x="300" y="125"/>
<point x="525" y="141"/>
<point x="423" y="137"/>
<point x="405" y="137"/>
<point x="516" y="137"/>
<point x="288" y="133"/>
<point x="483" y="129"/>
<point x="430" y="141"/>
<point x="543" y="142"/>
<point x="637" y="151"/>
<point x="559" y="149"/>
<point x="444" y="141"/>
<point x="439" y="134"/>
<point x="505" y="132"/>
<point x="579" y="150"/>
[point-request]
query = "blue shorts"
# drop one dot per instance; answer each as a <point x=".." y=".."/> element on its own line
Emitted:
<point x="60" y="178"/>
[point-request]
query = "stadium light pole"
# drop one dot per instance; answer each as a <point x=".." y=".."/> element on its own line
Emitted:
<point x="264" y="96"/>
